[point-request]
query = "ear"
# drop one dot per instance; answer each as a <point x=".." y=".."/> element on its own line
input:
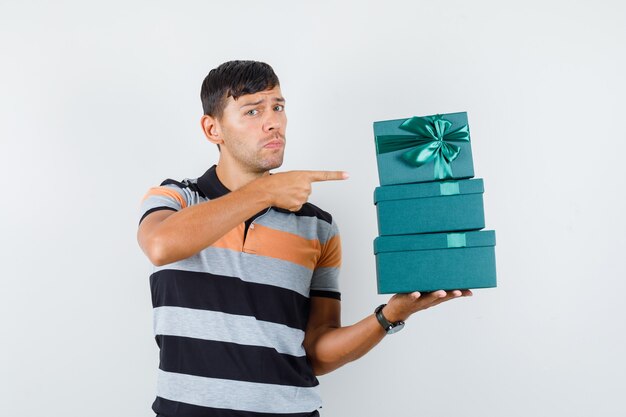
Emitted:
<point x="211" y="128"/>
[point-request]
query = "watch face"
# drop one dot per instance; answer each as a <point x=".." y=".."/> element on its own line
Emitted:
<point x="396" y="328"/>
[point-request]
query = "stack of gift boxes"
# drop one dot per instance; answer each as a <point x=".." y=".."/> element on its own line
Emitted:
<point x="430" y="213"/>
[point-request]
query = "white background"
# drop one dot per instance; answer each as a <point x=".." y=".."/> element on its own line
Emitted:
<point x="99" y="102"/>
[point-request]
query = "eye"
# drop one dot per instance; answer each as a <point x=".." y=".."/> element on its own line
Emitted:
<point x="252" y="112"/>
<point x="279" y="107"/>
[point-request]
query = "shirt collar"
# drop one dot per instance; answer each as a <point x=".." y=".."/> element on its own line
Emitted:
<point x="210" y="184"/>
<point x="212" y="188"/>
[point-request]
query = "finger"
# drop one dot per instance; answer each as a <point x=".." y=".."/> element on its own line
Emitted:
<point x="450" y="296"/>
<point x="436" y="295"/>
<point x="327" y="175"/>
<point x="429" y="298"/>
<point x="460" y="293"/>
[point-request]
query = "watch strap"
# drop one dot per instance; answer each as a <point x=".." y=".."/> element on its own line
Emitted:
<point x="388" y="326"/>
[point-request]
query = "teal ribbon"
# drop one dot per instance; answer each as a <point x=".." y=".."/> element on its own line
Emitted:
<point x="430" y="140"/>
<point x="456" y="240"/>
<point x="449" y="188"/>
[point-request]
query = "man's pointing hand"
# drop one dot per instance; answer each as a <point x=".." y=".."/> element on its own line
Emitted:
<point x="290" y="190"/>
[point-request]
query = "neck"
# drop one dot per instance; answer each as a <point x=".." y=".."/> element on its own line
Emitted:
<point x="235" y="176"/>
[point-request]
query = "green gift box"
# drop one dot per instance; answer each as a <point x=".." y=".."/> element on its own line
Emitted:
<point x="445" y="206"/>
<point x="438" y="261"/>
<point x="421" y="149"/>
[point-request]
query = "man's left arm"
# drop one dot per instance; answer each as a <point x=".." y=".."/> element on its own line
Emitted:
<point x="330" y="346"/>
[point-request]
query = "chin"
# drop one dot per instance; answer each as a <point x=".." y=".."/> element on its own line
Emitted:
<point x="271" y="163"/>
<point x="265" y="165"/>
<point x="274" y="165"/>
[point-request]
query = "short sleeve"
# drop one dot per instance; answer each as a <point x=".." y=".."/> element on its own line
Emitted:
<point x="168" y="196"/>
<point x="325" y="280"/>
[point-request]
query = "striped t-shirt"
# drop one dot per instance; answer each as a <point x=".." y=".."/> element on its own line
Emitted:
<point x="230" y="320"/>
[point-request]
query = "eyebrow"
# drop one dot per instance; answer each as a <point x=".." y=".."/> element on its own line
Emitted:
<point x="277" y="99"/>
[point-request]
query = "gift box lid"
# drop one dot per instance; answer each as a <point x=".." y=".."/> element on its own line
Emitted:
<point x="428" y="189"/>
<point x="430" y="241"/>
<point x="388" y="127"/>
<point x="423" y="149"/>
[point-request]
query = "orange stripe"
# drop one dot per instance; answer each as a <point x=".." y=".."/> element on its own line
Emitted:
<point x="232" y="240"/>
<point x="331" y="253"/>
<point x="167" y="192"/>
<point x="283" y="245"/>
<point x="265" y="241"/>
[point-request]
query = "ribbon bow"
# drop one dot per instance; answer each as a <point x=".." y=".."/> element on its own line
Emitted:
<point x="430" y="140"/>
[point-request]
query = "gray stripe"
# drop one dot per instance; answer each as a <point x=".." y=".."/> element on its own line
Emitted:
<point x="325" y="279"/>
<point x="223" y="327"/>
<point x="248" y="267"/>
<point x="192" y="197"/>
<point x="303" y="226"/>
<point x="158" y="201"/>
<point x="237" y="395"/>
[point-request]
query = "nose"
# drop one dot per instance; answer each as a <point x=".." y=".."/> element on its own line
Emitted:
<point x="273" y="121"/>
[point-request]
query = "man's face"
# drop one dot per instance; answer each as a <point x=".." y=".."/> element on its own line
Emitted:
<point x="253" y="130"/>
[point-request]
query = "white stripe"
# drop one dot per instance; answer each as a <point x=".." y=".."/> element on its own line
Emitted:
<point x="248" y="267"/>
<point x="224" y="327"/>
<point x="237" y="395"/>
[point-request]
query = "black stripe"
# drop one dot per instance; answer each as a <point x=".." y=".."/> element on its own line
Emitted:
<point x="170" y="181"/>
<point x="327" y="294"/>
<point x="168" y="408"/>
<point x="185" y="184"/>
<point x="205" y="291"/>
<point x="224" y="360"/>
<point x="152" y="210"/>
<point x="194" y="187"/>
<point x="309" y="210"/>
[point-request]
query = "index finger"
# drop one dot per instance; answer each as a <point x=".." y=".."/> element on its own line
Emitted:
<point x="327" y="175"/>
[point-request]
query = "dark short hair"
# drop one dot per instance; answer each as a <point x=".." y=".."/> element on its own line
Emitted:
<point x="234" y="78"/>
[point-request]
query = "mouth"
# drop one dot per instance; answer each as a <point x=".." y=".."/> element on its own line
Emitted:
<point x="274" y="144"/>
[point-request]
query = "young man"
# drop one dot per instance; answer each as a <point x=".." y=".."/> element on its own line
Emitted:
<point x="244" y="290"/>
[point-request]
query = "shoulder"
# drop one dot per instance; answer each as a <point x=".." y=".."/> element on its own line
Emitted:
<point x="186" y="184"/>
<point x="309" y="210"/>
<point x="171" y="194"/>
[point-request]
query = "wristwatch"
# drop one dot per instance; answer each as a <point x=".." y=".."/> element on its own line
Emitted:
<point x="388" y="326"/>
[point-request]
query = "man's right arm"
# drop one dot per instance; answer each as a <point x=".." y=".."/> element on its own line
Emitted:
<point x="168" y="236"/>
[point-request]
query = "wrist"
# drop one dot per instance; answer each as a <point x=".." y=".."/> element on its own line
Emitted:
<point x="391" y="314"/>
<point x="388" y="326"/>
<point x="261" y="191"/>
